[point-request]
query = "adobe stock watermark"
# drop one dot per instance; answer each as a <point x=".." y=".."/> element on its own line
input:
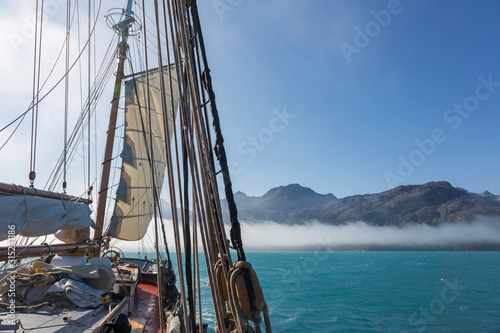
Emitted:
<point x="454" y="117"/>
<point x="25" y="34"/>
<point x="426" y="315"/>
<point x="223" y="6"/>
<point x="11" y="278"/>
<point x="363" y="37"/>
<point x="253" y="144"/>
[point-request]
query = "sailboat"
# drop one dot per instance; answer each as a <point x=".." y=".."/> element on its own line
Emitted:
<point x="62" y="270"/>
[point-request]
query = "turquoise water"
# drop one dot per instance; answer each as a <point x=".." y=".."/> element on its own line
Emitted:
<point x="378" y="291"/>
<point x="381" y="291"/>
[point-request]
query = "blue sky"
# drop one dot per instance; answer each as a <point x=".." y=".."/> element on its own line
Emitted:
<point x="345" y="97"/>
<point x="359" y="121"/>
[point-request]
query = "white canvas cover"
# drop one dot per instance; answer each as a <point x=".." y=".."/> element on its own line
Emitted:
<point x="134" y="196"/>
<point x="81" y="294"/>
<point x="35" y="216"/>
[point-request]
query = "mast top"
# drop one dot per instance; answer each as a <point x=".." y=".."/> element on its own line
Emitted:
<point x="123" y="21"/>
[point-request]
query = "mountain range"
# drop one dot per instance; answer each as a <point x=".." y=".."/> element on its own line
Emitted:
<point x="432" y="203"/>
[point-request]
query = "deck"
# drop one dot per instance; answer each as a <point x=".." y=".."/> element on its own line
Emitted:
<point x="146" y="307"/>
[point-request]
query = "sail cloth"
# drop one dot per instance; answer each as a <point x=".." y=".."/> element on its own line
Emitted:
<point x="134" y="197"/>
<point x="35" y="216"/>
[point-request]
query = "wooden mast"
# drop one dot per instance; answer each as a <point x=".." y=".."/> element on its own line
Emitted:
<point x="122" y="27"/>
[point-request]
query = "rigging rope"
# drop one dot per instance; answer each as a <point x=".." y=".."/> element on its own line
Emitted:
<point x="66" y="95"/>
<point x="36" y="77"/>
<point x="39" y="99"/>
<point x="32" y="173"/>
<point x="35" y="102"/>
<point x="89" y="186"/>
<point x="105" y="73"/>
<point x="219" y="148"/>
<point x="152" y="162"/>
<point x="200" y="170"/>
<point x="169" y="161"/>
<point x="195" y="82"/>
<point x="187" y="231"/>
<point x="186" y="85"/>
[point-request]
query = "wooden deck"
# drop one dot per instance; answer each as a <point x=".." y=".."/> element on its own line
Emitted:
<point x="146" y="307"/>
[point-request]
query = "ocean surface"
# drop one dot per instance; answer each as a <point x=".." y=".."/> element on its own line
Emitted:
<point x="377" y="291"/>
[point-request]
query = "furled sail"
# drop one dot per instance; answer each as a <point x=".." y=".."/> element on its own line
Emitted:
<point x="134" y="197"/>
<point x="35" y="216"/>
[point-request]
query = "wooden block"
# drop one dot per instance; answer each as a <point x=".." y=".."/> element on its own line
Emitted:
<point x="137" y="324"/>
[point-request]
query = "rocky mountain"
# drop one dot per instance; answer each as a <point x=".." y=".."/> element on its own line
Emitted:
<point x="431" y="203"/>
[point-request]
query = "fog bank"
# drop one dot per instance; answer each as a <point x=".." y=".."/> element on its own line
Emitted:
<point x="482" y="234"/>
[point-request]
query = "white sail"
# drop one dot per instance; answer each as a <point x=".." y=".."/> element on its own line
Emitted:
<point x="134" y="197"/>
<point x="35" y="216"/>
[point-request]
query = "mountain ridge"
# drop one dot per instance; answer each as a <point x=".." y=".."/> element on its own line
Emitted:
<point x="431" y="203"/>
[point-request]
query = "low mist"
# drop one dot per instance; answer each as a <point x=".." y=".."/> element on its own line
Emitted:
<point x="482" y="234"/>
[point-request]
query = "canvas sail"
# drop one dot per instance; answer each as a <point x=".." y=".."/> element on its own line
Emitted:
<point x="134" y="197"/>
<point x="35" y="216"/>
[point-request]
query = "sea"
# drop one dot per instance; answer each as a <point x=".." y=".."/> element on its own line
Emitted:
<point x="376" y="291"/>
